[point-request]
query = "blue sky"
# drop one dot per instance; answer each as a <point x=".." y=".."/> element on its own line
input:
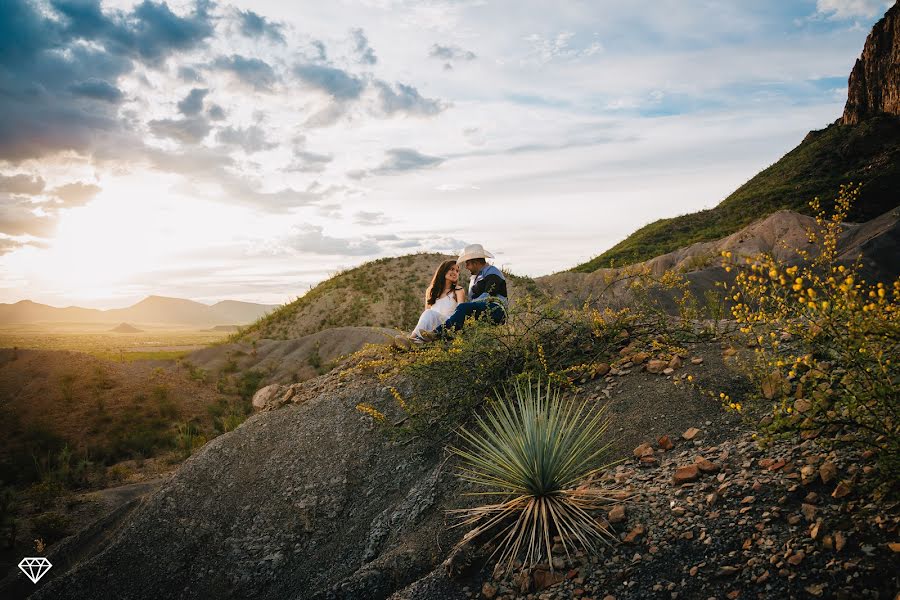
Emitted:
<point x="247" y="150"/>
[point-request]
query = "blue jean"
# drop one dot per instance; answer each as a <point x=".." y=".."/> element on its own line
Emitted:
<point x="496" y="311"/>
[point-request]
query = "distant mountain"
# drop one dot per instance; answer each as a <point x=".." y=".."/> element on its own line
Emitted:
<point x="152" y="309"/>
<point x="126" y="328"/>
<point x="863" y="146"/>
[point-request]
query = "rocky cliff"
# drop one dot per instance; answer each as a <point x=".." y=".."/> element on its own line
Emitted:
<point x="874" y="85"/>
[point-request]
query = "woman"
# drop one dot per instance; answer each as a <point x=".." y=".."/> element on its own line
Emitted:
<point x="441" y="298"/>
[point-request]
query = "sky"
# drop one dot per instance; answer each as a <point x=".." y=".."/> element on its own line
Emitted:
<point x="248" y="150"/>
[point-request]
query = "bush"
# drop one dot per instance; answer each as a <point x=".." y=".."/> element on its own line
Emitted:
<point x="826" y="344"/>
<point x="537" y="453"/>
<point x="540" y="340"/>
<point x="50" y="527"/>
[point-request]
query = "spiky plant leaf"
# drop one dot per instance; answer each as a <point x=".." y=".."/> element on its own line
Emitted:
<point x="532" y="450"/>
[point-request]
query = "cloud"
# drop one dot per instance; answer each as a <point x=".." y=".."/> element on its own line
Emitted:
<point x="190" y="130"/>
<point x="216" y="112"/>
<point x="60" y="63"/>
<point x="256" y="26"/>
<point x="8" y="245"/>
<point x="337" y="83"/>
<point x="29" y="185"/>
<point x="189" y="74"/>
<point x="848" y="9"/>
<point x="311" y="239"/>
<point x="401" y="160"/>
<point x="369" y="218"/>
<point x="75" y="194"/>
<point x="451" y="54"/>
<point x="97" y="89"/>
<point x="251" y="139"/>
<point x="406" y="99"/>
<point x="309" y="162"/>
<point x="192" y="104"/>
<point x="254" y="72"/>
<point x="18" y="217"/>
<point x="321" y="52"/>
<point x="150" y="32"/>
<point x="364" y="51"/>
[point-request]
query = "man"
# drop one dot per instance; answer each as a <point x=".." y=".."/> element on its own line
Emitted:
<point x="487" y="292"/>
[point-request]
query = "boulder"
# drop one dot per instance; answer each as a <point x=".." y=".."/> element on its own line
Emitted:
<point x="266" y="398"/>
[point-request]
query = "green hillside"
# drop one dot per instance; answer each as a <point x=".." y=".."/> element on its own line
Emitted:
<point x="868" y="153"/>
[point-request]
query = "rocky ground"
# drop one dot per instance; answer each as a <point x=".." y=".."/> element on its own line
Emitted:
<point x="730" y="520"/>
<point x="307" y="499"/>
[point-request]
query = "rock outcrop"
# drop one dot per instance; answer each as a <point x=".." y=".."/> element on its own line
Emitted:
<point x="874" y="85"/>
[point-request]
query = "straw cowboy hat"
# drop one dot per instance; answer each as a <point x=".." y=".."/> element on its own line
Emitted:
<point x="473" y="251"/>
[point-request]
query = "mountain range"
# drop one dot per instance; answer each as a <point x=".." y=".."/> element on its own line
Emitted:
<point x="152" y="309"/>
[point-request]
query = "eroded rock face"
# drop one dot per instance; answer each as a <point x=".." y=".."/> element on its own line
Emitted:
<point x="874" y="85"/>
<point x="306" y="502"/>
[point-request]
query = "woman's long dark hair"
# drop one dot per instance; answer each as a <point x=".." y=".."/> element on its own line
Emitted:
<point x="436" y="287"/>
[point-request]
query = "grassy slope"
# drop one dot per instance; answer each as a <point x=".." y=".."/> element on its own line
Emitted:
<point x="388" y="292"/>
<point x="868" y="153"/>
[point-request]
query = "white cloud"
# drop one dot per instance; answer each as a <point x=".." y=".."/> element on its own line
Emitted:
<point x="849" y="9"/>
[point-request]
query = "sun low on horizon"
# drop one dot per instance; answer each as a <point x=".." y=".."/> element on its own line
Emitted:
<point x="246" y="150"/>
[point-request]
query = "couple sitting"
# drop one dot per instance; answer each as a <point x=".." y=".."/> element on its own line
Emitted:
<point x="446" y="308"/>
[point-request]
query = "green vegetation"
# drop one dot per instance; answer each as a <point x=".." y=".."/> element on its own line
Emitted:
<point x="868" y="153"/>
<point x="535" y="453"/>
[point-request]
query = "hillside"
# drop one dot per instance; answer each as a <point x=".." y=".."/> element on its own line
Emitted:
<point x="861" y="147"/>
<point x="310" y="501"/>
<point x="867" y="153"/>
<point x="781" y="234"/>
<point x="388" y="292"/>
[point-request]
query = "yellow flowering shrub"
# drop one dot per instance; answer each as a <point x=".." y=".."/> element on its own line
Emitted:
<point x="826" y="343"/>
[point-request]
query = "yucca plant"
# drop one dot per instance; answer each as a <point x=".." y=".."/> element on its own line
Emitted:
<point x="538" y="453"/>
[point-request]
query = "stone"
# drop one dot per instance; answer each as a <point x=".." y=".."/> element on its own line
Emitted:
<point x="842" y="489"/>
<point x="690" y="433"/>
<point x="676" y="362"/>
<point x="802" y="405"/>
<point x="640" y="358"/>
<point x="705" y="465"/>
<point x="668" y="371"/>
<point x="665" y="443"/>
<point x="544" y="579"/>
<point x="807" y="474"/>
<point x="488" y="591"/>
<point x="686" y="474"/>
<point x="796" y="558"/>
<point x="634" y="534"/>
<point x="265" y="398"/>
<point x="643" y="450"/>
<point x="874" y="85"/>
<point x="729" y="351"/>
<point x="809" y="512"/>
<point x="616" y="514"/>
<point x="656" y="366"/>
<point x="840" y="540"/>
<point x="827" y="471"/>
<point x="696" y="361"/>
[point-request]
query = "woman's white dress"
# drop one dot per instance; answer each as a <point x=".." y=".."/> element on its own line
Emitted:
<point x="437" y="314"/>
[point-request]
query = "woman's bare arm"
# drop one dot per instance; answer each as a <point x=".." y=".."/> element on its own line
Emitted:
<point x="460" y="295"/>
